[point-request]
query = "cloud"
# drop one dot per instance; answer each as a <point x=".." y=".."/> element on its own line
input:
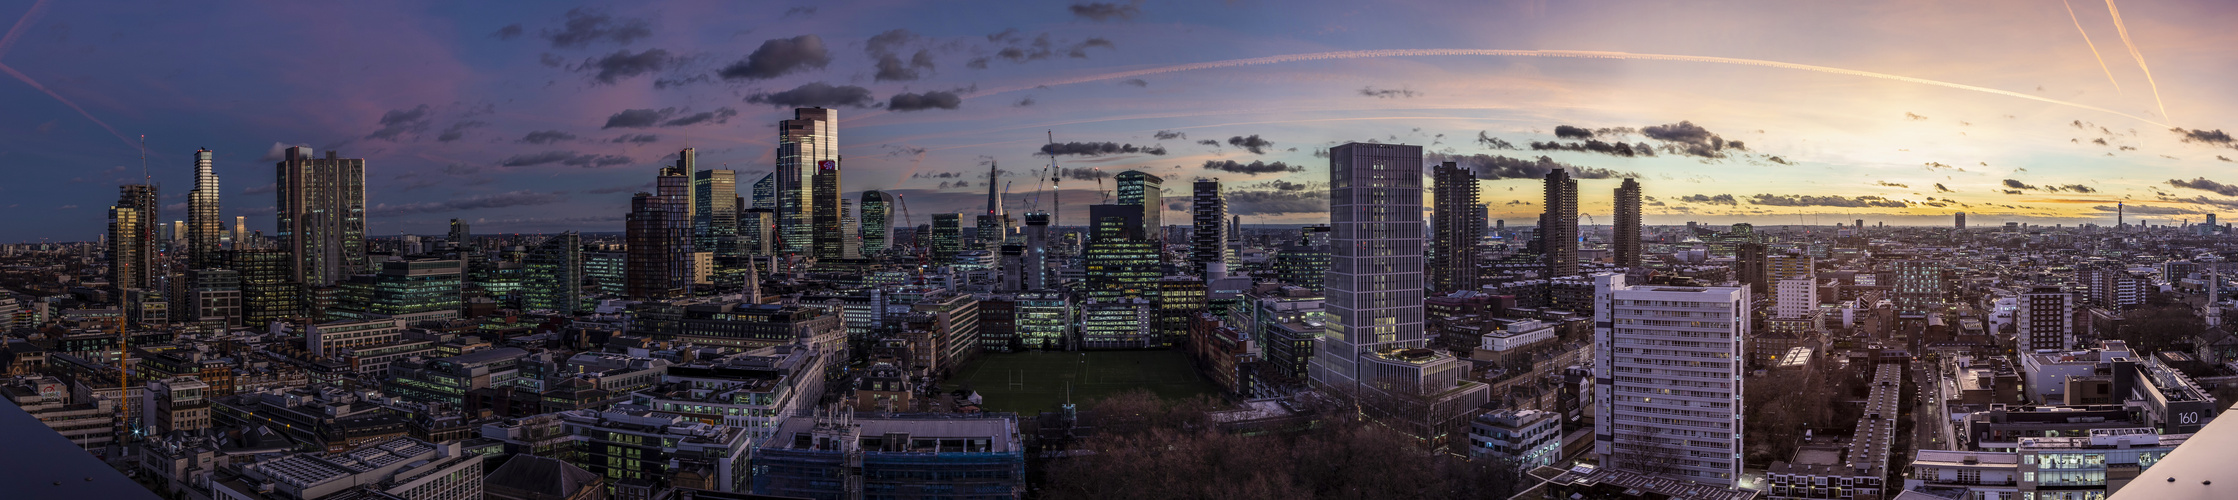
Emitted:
<point x="1913" y="116"/>
<point x="1080" y="50"/>
<point x="1936" y="164"/>
<point x="1100" y="11"/>
<point x="458" y="130"/>
<point x="800" y="11"/>
<point x="570" y="158"/>
<point x="622" y="65"/>
<point x="2211" y="137"/>
<point x="928" y="100"/>
<point x="1593" y="146"/>
<point x="509" y="32"/>
<point x="1209" y="142"/>
<point x="886" y="43"/>
<point x="400" y="121"/>
<point x="267" y="188"/>
<point x="1387" y="93"/>
<point x="586" y="26"/>
<point x="1723" y="199"/>
<point x="1892" y="184"/>
<point x="1254" y="168"/>
<point x="816" y="94"/>
<point x="1137" y="82"/>
<point x="1169" y="135"/>
<point x="1940" y="189"/>
<point x="1279" y="197"/>
<point x="2074" y="188"/>
<point x="1042" y="47"/>
<point x="2203" y="184"/>
<point x="1486" y="140"/>
<point x="1779" y="160"/>
<point x="1569" y="132"/>
<point x="1689" y="139"/>
<point x="636" y="138"/>
<point x="1024" y="102"/>
<point x="2223" y="158"/>
<point x="890" y="67"/>
<point x="2146" y="210"/>
<point x="279" y="151"/>
<point x="779" y="56"/>
<point x="499" y="200"/>
<point x="461" y="169"/>
<point x="1502" y="167"/>
<point x="1097" y="149"/>
<point x="638" y="118"/>
<point x="2015" y="184"/>
<point x="1085" y="174"/>
<point x="547" y="137"/>
<point x="1253" y="143"/>
<point x="548" y="59"/>
<point x="1797" y="200"/>
<point x="719" y="115"/>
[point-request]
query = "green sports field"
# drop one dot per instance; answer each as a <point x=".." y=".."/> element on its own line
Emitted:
<point x="1029" y="383"/>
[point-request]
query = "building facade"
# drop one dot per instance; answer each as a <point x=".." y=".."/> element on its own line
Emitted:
<point x="1669" y="389"/>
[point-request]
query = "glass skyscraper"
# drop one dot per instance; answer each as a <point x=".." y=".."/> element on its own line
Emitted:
<point x="204" y="225"/>
<point x="322" y="215"/>
<point x="876" y="211"/>
<point x="715" y="211"/>
<point x="1208" y="242"/>
<point x="805" y="144"/>
<point x="132" y="236"/>
<point x="1145" y="190"/>
<point x="554" y="274"/>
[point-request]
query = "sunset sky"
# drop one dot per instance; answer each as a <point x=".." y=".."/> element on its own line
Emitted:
<point x="544" y="116"/>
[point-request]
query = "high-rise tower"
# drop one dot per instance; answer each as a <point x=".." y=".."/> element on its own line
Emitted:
<point x="321" y="216"/>
<point x="132" y="236"/>
<point x="994" y="225"/>
<point x="1141" y="189"/>
<point x="1208" y="240"/>
<point x="1642" y="424"/>
<point x="715" y="210"/>
<point x="765" y="192"/>
<point x="1373" y="351"/>
<point x="831" y="237"/>
<point x="1558" y="224"/>
<point x="1628" y="224"/>
<point x="876" y="211"/>
<point x="806" y="145"/>
<point x="1457" y="227"/>
<point x="204" y="226"/>
<point x="648" y="273"/>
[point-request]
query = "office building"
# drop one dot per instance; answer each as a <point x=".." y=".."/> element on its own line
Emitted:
<point x="1044" y="320"/>
<point x="1526" y="438"/>
<point x="213" y="296"/>
<point x="828" y="217"/>
<point x="176" y="404"/>
<point x="1122" y="262"/>
<point x="1960" y="219"/>
<point x="849" y="455"/>
<point x="1627" y="240"/>
<point x="714" y="210"/>
<point x="757" y="232"/>
<point x="399" y="288"/>
<point x="401" y="468"/>
<point x="1921" y="287"/>
<point x="269" y="292"/>
<point x="321" y="216"/>
<point x="1456" y="227"/>
<point x="552" y="275"/>
<point x="1208" y="240"/>
<point x="2045" y="319"/>
<point x="765" y="193"/>
<point x="805" y="145"/>
<point x="1304" y="262"/>
<point x="1671" y="410"/>
<point x="1558" y="236"/>
<point x="133" y="237"/>
<point x="947" y="238"/>
<point x="1144" y="190"/>
<point x="659" y="261"/>
<point x="204" y="225"/>
<point x="1035" y="261"/>
<point x="876" y="212"/>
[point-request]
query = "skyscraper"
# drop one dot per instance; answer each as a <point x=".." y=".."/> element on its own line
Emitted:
<point x="1645" y="426"/>
<point x="1960" y="219"/>
<point x="321" y="216"/>
<point x="1373" y="351"/>
<point x="2045" y="319"/>
<point x="831" y="235"/>
<point x="1208" y="239"/>
<point x="1036" y="258"/>
<point x="1306" y="262"/>
<point x="133" y="235"/>
<point x="805" y="144"/>
<point x="1143" y="190"/>
<point x="757" y="232"/>
<point x="552" y="274"/>
<point x="648" y="272"/>
<point x="673" y="191"/>
<point x="1558" y="224"/>
<point x="1456" y="227"/>
<point x="462" y="235"/>
<point x="1123" y="268"/>
<point x="850" y="231"/>
<point x="765" y="192"/>
<point x="946" y="238"/>
<point x="1628" y="224"/>
<point x="204" y="225"/>
<point x="876" y="211"/>
<point x="715" y="210"/>
<point x="241" y="233"/>
<point x="994" y="225"/>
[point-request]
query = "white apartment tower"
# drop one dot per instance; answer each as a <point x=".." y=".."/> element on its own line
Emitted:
<point x="1667" y="379"/>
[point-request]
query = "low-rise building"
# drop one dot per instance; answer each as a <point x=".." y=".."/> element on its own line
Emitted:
<point x="849" y="455"/>
<point x="1526" y="438"/>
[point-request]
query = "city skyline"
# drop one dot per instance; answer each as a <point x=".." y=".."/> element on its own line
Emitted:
<point x="547" y="119"/>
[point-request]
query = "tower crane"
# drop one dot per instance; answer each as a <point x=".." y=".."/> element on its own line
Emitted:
<point x="916" y="248"/>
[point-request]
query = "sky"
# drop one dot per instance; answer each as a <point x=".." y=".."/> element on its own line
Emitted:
<point x="537" y="117"/>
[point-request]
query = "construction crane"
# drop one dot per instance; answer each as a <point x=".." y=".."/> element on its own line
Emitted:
<point x="1099" y="186"/>
<point x="918" y="249"/>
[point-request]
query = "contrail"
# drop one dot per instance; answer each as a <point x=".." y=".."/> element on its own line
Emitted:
<point x="16" y="32"/>
<point x="2140" y="56"/>
<point x="2093" y="47"/>
<point x="1571" y="54"/>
